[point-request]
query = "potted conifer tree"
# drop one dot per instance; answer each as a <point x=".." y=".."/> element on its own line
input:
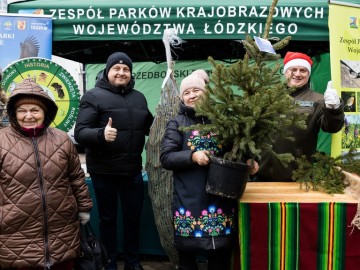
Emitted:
<point x="247" y="103"/>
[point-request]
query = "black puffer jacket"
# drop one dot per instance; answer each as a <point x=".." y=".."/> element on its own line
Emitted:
<point x="130" y="116"/>
<point x="201" y="221"/>
<point x="319" y="117"/>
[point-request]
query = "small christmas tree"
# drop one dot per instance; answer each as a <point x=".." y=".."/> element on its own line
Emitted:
<point x="248" y="102"/>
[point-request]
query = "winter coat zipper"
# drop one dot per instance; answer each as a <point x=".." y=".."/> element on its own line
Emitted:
<point x="44" y="206"/>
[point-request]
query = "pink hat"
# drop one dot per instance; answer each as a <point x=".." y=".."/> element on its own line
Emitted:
<point x="293" y="59"/>
<point x="198" y="79"/>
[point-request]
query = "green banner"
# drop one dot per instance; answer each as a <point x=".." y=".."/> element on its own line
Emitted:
<point x="212" y="19"/>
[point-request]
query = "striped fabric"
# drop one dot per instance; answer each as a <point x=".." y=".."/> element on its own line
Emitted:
<point x="292" y="236"/>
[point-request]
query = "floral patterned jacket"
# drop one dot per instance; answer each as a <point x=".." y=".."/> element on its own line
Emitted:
<point x="201" y="221"/>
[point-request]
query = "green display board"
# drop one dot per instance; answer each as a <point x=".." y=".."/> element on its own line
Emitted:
<point x="56" y="82"/>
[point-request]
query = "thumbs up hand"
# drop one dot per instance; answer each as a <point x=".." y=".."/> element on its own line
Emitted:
<point x="109" y="132"/>
<point x="332" y="100"/>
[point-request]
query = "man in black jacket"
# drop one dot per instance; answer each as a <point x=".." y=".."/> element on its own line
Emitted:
<point x="112" y="123"/>
<point x="324" y="112"/>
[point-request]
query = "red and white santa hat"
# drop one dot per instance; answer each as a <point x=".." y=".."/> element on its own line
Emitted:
<point x="293" y="59"/>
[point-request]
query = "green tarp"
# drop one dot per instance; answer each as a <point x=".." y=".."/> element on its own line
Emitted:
<point x="193" y="19"/>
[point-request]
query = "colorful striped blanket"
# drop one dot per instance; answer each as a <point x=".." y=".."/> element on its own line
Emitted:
<point x="291" y="236"/>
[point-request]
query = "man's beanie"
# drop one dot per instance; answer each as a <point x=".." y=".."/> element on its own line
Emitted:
<point x="118" y="58"/>
<point x="293" y="59"/>
<point x="198" y="79"/>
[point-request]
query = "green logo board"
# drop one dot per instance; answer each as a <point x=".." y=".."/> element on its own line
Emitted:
<point x="56" y="82"/>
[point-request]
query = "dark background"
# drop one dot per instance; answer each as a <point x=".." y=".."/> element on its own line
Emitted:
<point x="93" y="52"/>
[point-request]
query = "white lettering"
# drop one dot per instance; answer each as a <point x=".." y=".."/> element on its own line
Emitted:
<point x="7" y="36"/>
<point x="221" y="19"/>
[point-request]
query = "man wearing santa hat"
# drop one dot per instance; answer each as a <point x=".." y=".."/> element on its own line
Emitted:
<point x="325" y="112"/>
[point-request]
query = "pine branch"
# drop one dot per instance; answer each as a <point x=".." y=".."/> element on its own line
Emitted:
<point x="269" y="19"/>
<point x="324" y="172"/>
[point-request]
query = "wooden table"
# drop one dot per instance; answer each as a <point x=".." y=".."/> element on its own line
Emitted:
<point x="284" y="227"/>
<point x="288" y="192"/>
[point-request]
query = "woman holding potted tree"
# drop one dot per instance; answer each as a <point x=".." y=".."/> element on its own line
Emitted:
<point x="204" y="224"/>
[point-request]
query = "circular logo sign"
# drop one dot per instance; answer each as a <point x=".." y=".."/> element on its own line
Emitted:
<point x="56" y="82"/>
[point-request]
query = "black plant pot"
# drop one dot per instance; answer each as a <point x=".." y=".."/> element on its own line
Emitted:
<point x="226" y="178"/>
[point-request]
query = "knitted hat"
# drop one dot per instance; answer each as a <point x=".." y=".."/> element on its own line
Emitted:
<point x="198" y="79"/>
<point x="30" y="92"/>
<point x="31" y="100"/>
<point x="118" y="58"/>
<point x="293" y="59"/>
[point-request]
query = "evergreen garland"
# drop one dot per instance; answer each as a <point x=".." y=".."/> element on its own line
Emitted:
<point x="324" y="172"/>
